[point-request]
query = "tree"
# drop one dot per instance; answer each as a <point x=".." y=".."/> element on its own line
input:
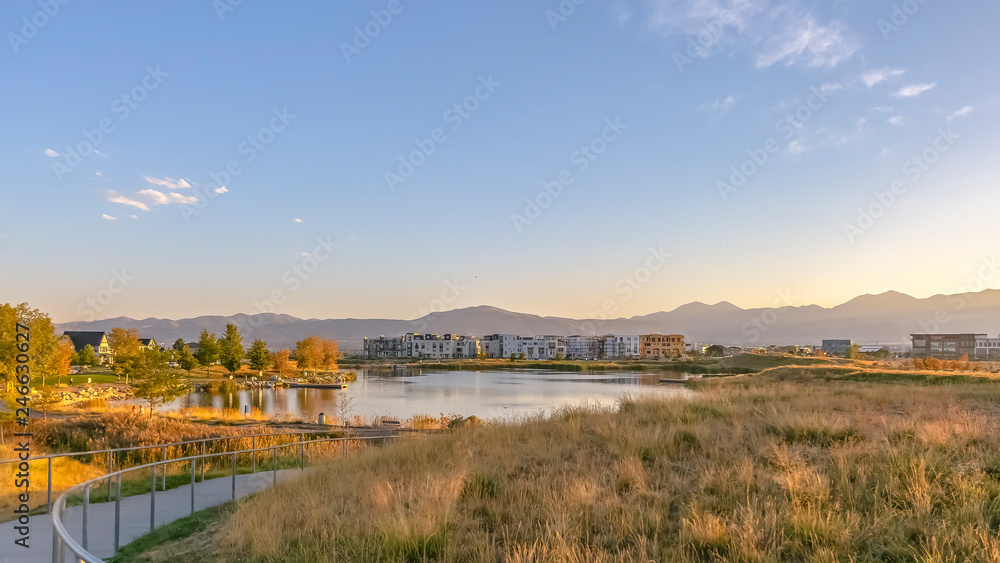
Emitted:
<point x="63" y="359"/>
<point x="44" y="344"/>
<point x="208" y="350"/>
<point x="179" y="345"/>
<point x="309" y="353"/>
<point x="331" y="352"/>
<point x="154" y="381"/>
<point x="231" y="350"/>
<point x="88" y="356"/>
<point x="187" y="360"/>
<point x="854" y="352"/>
<point x="279" y="361"/>
<point x="258" y="355"/>
<point x="125" y="349"/>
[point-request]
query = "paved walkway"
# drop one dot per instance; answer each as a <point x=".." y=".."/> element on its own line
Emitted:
<point x="170" y="505"/>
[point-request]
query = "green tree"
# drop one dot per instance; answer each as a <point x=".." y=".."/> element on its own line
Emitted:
<point x="258" y="355"/>
<point x="44" y="356"/>
<point x="187" y="360"/>
<point x="231" y="350"/>
<point x="179" y="345"/>
<point x="88" y="356"/>
<point x="208" y="350"/>
<point x="125" y="349"/>
<point x="854" y="352"/>
<point x="154" y="381"/>
<point x="309" y="353"/>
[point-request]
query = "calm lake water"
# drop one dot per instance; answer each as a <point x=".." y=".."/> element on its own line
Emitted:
<point x="486" y="394"/>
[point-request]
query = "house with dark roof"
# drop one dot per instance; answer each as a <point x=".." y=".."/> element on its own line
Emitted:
<point x="97" y="340"/>
<point x="148" y="343"/>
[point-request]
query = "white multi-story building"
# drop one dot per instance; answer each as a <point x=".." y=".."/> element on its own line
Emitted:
<point x="584" y="347"/>
<point x="625" y="346"/>
<point x="544" y="347"/>
<point x="502" y="345"/>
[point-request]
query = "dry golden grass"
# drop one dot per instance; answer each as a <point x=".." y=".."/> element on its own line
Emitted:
<point x="754" y="469"/>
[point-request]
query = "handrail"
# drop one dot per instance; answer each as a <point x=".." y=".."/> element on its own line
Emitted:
<point x="170" y="445"/>
<point x="62" y="540"/>
<point x="162" y="447"/>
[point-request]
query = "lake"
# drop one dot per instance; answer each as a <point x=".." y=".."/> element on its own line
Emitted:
<point x="486" y="394"/>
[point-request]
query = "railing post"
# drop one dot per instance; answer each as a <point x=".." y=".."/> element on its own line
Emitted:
<point x="344" y="441"/>
<point x="302" y="454"/>
<point x="194" y="463"/>
<point x="204" y="460"/>
<point x="86" y="512"/>
<point x="118" y="508"/>
<point x="110" y="454"/>
<point x="234" y="476"/>
<point x="274" y="462"/>
<point x="253" y="453"/>
<point x="55" y="546"/>
<point x="152" y="502"/>
<point x="164" y="468"/>
<point x="49" y="501"/>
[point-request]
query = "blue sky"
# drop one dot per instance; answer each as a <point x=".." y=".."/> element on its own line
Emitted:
<point x="834" y="100"/>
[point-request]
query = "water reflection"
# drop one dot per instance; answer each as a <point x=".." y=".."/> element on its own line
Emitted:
<point x="486" y="394"/>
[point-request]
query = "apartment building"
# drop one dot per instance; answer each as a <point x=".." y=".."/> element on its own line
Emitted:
<point x="584" y="347"/>
<point x="415" y="345"/>
<point x="621" y="346"/>
<point x="544" y="347"/>
<point x="986" y="347"/>
<point x="660" y="346"/>
<point x="502" y="345"/>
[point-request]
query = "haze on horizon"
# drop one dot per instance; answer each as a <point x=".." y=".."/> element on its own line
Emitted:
<point x="731" y="147"/>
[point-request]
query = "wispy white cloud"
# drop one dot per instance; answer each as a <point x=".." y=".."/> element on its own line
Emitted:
<point x="964" y="112"/>
<point x="720" y="106"/>
<point x="160" y="198"/>
<point x="51" y="153"/>
<point x="115" y="197"/>
<point x="168" y="183"/>
<point x="775" y="31"/>
<point x="135" y="216"/>
<point x="222" y="190"/>
<point x="296" y="220"/>
<point x="157" y="198"/>
<point x="896" y="120"/>
<point x="873" y="77"/>
<point x="914" y="90"/>
<point x="882" y="109"/>
<point x="808" y="43"/>
<point x="830" y="88"/>
<point x="99" y="153"/>
<point x="107" y="217"/>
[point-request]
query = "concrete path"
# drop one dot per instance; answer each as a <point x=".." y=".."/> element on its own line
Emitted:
<point x="170" y="505"/>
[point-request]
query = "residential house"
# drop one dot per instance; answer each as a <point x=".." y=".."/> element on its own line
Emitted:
<point x="97" y="340"/>
<point x="660" y="346"/>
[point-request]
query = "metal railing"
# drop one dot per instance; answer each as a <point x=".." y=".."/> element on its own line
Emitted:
<point x="63" y="541"/>
<point x="113" y="453"/>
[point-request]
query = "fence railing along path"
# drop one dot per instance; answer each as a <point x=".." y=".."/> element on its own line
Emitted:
<point x="63" y="541"/>
<point x="114" y="454"/>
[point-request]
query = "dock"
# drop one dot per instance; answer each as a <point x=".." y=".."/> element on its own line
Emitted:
<point x="318" y="385"/>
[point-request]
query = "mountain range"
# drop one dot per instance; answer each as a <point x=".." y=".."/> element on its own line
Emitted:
<point x="885" y="318"/>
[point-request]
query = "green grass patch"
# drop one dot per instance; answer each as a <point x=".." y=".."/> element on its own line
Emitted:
<point x="176" y="530"/>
